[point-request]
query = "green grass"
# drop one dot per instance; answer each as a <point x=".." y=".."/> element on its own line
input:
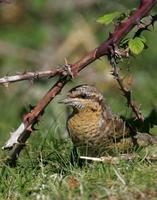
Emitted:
<point x="44" y="171"/>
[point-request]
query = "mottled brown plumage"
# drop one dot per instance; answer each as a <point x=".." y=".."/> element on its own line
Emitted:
<point x="93" y="128"/>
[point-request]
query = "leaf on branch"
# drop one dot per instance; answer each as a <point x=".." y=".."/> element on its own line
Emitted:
<point x="108" y="18"/>
<point x="137" y="45"/>
<point x="143" y="39"/>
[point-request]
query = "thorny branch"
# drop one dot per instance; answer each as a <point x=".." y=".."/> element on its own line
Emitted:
<point x="126" y="92"/>
<point x="19" y="137"/>
<point x="65" y="71"/>
<point x="30" y="76"/>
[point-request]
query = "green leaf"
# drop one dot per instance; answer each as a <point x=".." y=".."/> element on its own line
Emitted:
<point x="136" y="45"/>
<point x="143" y="39"/>
<point x="108" y="18"/>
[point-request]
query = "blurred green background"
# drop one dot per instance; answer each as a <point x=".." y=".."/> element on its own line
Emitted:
<point x="38" y="35"/>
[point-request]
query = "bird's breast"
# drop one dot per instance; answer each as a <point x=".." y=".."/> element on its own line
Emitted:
<point x="84" y="127"/>
<point x="90" y="130"/>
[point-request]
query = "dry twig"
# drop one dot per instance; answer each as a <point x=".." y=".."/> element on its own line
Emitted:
<point x="30" y="76"/>
<point x="117" y="159"/>
<point x="126" y="92"/>
<point x="111" y="159"/>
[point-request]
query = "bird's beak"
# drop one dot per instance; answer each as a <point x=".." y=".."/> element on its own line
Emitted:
<point x="67" y="100"/>
<point x="74" y="102"/>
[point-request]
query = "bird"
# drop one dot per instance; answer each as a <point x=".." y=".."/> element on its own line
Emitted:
<point x="94" y="129"/>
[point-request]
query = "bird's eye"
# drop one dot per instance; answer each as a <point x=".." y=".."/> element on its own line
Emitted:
<point x="83" y="96"/>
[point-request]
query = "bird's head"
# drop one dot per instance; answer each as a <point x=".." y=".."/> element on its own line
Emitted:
<point x="82" y="97"/>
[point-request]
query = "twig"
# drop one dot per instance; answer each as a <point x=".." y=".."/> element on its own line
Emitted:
<point x="117" y="159"/>
<point x="126" y="92"/>
<point x="30" y="76"/>
<point x="32" y="117"/>
<point x="111" y="159"/>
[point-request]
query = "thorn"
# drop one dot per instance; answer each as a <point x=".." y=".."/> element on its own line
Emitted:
<point x="67" y="68"/>
<point x="65" y="61"/>
<point x="141" y="25"/>
<point x="25" y="71"/>
<point x="101" y="59"/>
<point x="31" y="81"/>
<point x="30" y="129"/>
<point x="31" y="107"/>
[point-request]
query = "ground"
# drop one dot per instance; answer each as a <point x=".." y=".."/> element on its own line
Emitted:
<point x="44" y="172"/>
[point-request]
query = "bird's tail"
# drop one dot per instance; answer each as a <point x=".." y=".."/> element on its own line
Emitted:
<point x="145" y="139"/>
